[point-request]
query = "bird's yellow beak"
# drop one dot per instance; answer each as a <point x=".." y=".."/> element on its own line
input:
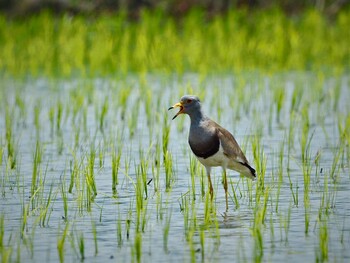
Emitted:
<point x="177" y="105"/>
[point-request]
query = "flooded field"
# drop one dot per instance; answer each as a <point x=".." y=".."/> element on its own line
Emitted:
<point x="95" y="170"/>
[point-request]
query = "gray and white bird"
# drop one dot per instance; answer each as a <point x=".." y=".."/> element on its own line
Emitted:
<point x="212" y="144"/>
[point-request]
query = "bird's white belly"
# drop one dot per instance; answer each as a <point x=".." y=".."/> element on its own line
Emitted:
<point x="218" y="159"/>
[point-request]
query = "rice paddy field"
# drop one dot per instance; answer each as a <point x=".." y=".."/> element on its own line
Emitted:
<point x="93" y="169"/>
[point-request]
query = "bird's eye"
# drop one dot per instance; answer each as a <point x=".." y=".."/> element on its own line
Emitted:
<point x="189" y="101"/>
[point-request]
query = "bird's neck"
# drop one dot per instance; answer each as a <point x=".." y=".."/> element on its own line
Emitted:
<point x="197" y="118"/>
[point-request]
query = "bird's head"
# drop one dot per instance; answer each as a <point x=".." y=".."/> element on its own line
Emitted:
<point x="188" y="104"/>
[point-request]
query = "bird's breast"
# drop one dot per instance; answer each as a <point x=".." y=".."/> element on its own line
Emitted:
<point x="204" y="146"/>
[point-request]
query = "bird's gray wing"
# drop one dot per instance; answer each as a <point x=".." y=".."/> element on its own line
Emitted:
<point x="230" y="145"/>
<point x="233" y="151"/>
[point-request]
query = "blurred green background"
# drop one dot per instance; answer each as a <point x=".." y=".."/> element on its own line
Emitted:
<point x="66" y="38"/>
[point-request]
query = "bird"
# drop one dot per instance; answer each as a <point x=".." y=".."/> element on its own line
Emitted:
<point x="212" y="144"/>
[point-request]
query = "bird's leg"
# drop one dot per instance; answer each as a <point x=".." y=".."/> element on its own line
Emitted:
<point x="210" y="188"/>
<point x="225" y="187"/>
<point x="210" y="184"/>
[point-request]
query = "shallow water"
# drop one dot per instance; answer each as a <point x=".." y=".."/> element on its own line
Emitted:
<point x="245" y="105"/>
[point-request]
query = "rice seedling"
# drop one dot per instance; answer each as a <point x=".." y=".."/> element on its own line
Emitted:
<point x="143" y="169"/>
<point x="193" y="172"/>
<point x="90" y="174"/>
<point x="137" y="248"/>
<point x="36" y="114"/>
<point x="59" y="112"/>
<point x="2" y="231"/>
<point x="334" y="173"/>
<point x="37" y="158"/>
<point x="294" y="190"/>
<point x="77" y="138"/>
<point x="148" y="104"/>
<point x="115" y="167"/>
<point x="290" y="139"/>
<point x="203" y="181"/>
<point x="52" y="119"/>
<point x="61" y="243"/>
<point x="156" y="168"/>
<point x="304" y="131"/>
<point x="74" y="173"/>
<point x="280" y="175"/>
<point x="143" y="219"/>
<point x="270" y="119"/>
<point x="260" y="166"/>
<point x="81" y="243"/>
<point x="184" y="208"/>
<point x="165" y="134"/>
<point x="344" y="138"/>
<point x="6" y="254"/>
<point x="2" y="151"/>
<point x="60" y="143"/>
<point x="24" y="219"/>
<point x="202" y="242"/>
<point x="286" y="224"/>
<point x="168" y="164"/>
<point x="64" y="198"/>
<point x="279" y="97"/>
<point x="5" y="249"/>
<point x="101" y="155"/>
<point x="317" y="164"/>
<point x="322" y="256"/>
<point x="159" y="207"/>
<point x="190" y="241"/>
<point x="306" y="167"/>
<point x="258" y="244"/>
<point x="83" y="178"/>
<point x="235" y="198"/>
<point x="209" y="209"/>
<point x="21" y="105"/>
<point x="11" y="150"/>
<point x="336" y="96"/>
<point x="128" y="222"/>
<point x="133" y="118"/>
<point x="119" y="230"/>
<point x="45" y="212"/>
<point x="124" y="94"/>
<point x="78" y="102"/>
<point x="166" y="229"/>
<point x="193" y="218"/>
<point x="272" y="234"/>
<point x="139" y="192"/>
<point x="104" y="111"/>
<point x="325" y="201"/>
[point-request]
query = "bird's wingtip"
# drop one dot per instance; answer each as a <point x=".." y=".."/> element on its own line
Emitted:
<point x="252" y="173"/>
